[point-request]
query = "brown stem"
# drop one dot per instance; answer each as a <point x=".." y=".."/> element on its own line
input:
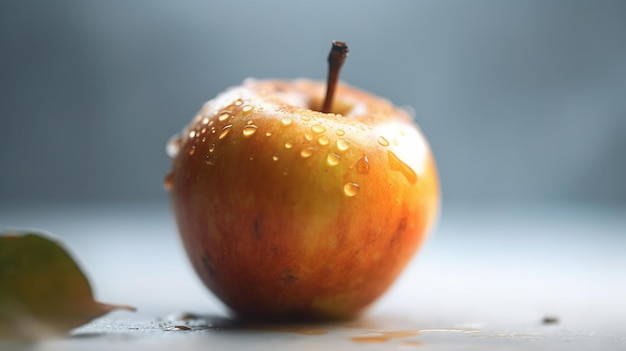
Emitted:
<point x="336" y="58"/>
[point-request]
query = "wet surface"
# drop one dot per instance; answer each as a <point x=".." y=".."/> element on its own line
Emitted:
<point x="544" y="278"/>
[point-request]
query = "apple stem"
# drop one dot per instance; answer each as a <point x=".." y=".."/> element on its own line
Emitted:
<point x="336" y="58"/>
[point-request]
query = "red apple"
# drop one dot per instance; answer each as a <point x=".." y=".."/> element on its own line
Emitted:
<point x="289" y="212"/>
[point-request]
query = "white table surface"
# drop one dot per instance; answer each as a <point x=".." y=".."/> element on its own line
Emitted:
<point x="485" y="280"/>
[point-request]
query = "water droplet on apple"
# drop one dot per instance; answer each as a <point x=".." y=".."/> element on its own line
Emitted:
<point x="205" y="120"/>
<point x="169" y="181"/>
<point x="192" y="150"/>
<point x="308" y="136"/>
<point x="212" y="148"/>
<point x="332" y="159"/>
<point x="268" y="134"/>
<point x="203" y="130"/>
<point x="340" y="132"/>
<point x="286" y="121"/>
<point x="318" y="129"/>
<point x="342" y="145"/>
<point x="307" y="152"/>
<point x="225" y="131"/>
<point x="173" y="146"/>
<point x="192" y="134"/>
<point x="275" y="158"/>
<point x="350" y="189"/>
<point x="323" y="140"/>
<point x="363" y="165"/>
<point x="397" y="164"/>
<point x="383" y="141"/>
<point x="246" y="110"/>
<point x="249" y="130"/>
<point x="288" y="145"/>
<point x="223" y="116"/>
<point x="305" y="118"/>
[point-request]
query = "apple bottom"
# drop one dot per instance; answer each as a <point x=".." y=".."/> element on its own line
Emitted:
<point x="269" y="262"/>
<point x="277" y="281"/>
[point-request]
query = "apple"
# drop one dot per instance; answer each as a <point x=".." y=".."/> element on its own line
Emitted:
<point x="297" y="200"/>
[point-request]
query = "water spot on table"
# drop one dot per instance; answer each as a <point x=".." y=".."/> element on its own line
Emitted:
<point x="178" y="328"/>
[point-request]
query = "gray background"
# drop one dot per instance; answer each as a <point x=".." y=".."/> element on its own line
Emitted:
<point x="522" y="101"/>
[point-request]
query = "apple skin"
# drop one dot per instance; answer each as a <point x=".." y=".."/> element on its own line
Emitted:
<point x="290" y="213"/>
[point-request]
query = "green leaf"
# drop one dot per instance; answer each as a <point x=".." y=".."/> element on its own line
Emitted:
<point x="43" y="292"/>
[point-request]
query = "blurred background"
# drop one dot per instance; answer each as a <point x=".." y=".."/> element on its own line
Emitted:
<point x="522" y="101"/>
